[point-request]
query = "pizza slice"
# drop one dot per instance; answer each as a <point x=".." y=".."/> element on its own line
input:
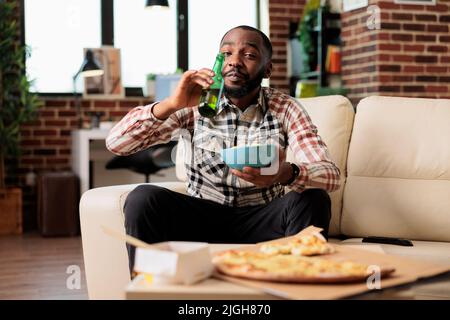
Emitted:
<point x="303" y="245"/>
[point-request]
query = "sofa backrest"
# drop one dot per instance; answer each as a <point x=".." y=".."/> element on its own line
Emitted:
<point x="333" y="117"/>
<point x="398" y="182"/>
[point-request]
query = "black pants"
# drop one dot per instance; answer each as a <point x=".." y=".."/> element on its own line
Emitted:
<point x="154" y="214"/>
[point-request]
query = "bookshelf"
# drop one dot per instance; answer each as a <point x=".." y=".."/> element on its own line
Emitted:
<point x="328" y="33"/>
<point x="327" y="41"/>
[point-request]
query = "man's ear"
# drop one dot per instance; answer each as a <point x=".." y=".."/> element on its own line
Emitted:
<point x="268" y="71"/>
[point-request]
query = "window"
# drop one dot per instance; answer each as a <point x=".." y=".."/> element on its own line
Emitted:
<point x="147" y="40"/>
<point x="57" y="43"/>
<point x="208" y="22"/>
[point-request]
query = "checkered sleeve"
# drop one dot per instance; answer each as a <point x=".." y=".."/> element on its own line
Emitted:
<point x="317" y="169"/>
<point x="140" y="129"/>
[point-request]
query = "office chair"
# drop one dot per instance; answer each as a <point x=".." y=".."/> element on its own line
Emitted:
<point x="147" y="162"/>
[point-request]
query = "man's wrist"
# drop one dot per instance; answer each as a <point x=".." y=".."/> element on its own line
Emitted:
<point x="286" y="173"/>
<point x="293" y="174"/>
<point x="163" y="109"/>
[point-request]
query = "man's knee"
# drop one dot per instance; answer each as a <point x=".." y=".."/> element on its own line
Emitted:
<point x="316" y="196"/>
<point x="316" y="199"/>
<point x="140" y="200"/>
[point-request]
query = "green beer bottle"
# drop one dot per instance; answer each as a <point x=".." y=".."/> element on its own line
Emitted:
<point x="210" y="98"/>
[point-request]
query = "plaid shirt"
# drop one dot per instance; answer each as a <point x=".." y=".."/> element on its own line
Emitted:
<point x="276" y="118"/>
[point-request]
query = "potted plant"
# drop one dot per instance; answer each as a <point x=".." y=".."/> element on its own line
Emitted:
<point x="17" y="106"/>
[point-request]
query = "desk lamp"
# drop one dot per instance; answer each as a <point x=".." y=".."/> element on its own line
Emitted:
<point x="89" y="68"/>
<point x="157" y="4"/>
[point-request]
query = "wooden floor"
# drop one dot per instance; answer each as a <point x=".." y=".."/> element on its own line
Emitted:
<point x="33" y="267"/>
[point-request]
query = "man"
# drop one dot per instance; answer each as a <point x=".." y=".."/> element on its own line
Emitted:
<point x="225" y="205"/>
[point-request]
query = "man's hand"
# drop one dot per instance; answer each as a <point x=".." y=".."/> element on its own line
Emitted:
<point x="187" y="92"/>
<point x="254" y="175"/>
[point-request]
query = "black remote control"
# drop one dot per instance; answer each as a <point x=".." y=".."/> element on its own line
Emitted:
<point x="386" y="240"/>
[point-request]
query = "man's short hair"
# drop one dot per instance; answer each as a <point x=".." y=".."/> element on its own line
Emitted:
<point x="266" y="42"/>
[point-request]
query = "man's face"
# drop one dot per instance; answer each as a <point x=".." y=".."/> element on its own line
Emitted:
<point x="246" y="62"/>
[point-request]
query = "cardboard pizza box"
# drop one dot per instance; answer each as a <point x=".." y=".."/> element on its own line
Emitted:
<point x="175" y="262"/>
<point x="172" y="262"/>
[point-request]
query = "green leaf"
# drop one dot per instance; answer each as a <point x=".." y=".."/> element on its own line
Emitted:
<point x="17" y="104"/>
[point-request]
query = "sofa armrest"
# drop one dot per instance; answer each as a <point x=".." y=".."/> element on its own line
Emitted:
<point x="106" y="258"/>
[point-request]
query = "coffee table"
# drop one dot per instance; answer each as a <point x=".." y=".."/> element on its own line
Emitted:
<point x="216" y="289"/>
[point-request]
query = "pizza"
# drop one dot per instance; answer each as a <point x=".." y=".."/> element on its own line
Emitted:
<point x="290" y="268"/>
<point x="302" y="245"/>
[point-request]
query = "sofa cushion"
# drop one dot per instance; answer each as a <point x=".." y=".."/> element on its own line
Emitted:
<point x="333" y="116"/>
<point x="398" y="182"/>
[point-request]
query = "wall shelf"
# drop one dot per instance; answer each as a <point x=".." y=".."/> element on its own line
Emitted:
<point x="308" y="75"/>
<point x="325" y="36"/>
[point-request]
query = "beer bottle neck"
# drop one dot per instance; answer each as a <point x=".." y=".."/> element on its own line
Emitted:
<point x="217" y="68"/>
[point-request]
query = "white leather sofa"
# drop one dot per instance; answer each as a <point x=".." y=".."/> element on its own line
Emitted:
<point x="394" y="155"/>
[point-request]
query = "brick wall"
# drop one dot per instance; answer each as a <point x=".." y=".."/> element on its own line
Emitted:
<point x="281" y="13"/>
<point x="408" y="56"/>
<point x="359" y="54"/>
